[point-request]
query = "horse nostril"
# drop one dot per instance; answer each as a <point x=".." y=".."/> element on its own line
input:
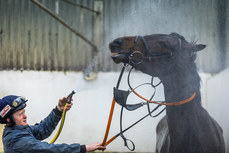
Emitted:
<point x="112" y="46"/>
<point x="119" y="41"/>
<point x="116" y="43"/>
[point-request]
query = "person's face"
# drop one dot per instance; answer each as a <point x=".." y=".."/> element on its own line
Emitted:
<point x="20" y="117"/>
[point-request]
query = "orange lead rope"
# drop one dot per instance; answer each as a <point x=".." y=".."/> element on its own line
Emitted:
<point x="112" y="109"/>
<point x="109" y="123"/>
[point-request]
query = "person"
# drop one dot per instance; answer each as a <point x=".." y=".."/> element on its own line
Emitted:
<point x="19" y="137"/>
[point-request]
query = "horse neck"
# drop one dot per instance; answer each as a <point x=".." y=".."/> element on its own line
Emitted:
<point x="181" y="119"/>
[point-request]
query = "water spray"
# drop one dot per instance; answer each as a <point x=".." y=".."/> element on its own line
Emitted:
<point x="90" y="72"/>
<point x="68" y="101"/>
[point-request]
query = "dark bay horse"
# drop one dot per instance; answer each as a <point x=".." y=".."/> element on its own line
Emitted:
<point x="186" y="128"/>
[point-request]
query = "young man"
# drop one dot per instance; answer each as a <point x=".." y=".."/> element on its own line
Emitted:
<point x="19" y="137"/>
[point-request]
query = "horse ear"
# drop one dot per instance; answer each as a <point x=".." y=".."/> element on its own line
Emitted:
<point x="194" y="47"/>
<point x="198" y="47"/>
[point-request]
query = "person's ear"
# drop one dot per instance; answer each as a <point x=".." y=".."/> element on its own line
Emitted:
<point x="8" y="120"/>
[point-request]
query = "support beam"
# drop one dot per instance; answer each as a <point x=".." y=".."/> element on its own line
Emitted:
<point x="64" y="23"/>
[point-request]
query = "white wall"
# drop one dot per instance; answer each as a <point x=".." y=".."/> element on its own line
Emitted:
<point x="86" y="122"/>
<point x="218" y="101"/>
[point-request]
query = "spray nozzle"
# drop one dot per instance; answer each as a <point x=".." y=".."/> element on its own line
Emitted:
<point x="69" y="97"/>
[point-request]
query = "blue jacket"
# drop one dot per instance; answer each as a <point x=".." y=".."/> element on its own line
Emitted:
<point x="27" y="139"/>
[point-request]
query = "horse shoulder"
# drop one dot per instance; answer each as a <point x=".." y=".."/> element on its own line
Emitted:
<point x="163" y="140"/>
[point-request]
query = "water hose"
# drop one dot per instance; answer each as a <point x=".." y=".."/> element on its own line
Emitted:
<point x="61" y="125"/>
<point x="69" y="97"/>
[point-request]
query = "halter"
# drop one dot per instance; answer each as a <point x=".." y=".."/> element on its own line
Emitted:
<point x="148" y="56"/>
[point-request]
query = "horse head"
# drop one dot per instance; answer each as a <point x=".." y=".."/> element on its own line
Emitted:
<point x="156" y="54"/>
<point x="171" y="58"/>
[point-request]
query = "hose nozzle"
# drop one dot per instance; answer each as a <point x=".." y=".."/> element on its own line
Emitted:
<point x="69" y="97"/>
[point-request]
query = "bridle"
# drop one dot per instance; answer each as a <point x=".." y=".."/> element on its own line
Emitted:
<point x="149" y="56"/>
<point x="124" y="95"/>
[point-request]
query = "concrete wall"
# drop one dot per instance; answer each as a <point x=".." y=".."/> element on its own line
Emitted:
<point x="86" y="122"/>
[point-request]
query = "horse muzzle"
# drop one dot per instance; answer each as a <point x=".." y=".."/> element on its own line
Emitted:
<point x="120" y="58"/>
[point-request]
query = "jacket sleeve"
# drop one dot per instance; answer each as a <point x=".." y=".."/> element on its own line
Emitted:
<point x="45" y="128"/>
<point x="27" y="144"/>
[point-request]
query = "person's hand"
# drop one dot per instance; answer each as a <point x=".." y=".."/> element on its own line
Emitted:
<point x="95" y="146"/>
<point x="61" y="104"/>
